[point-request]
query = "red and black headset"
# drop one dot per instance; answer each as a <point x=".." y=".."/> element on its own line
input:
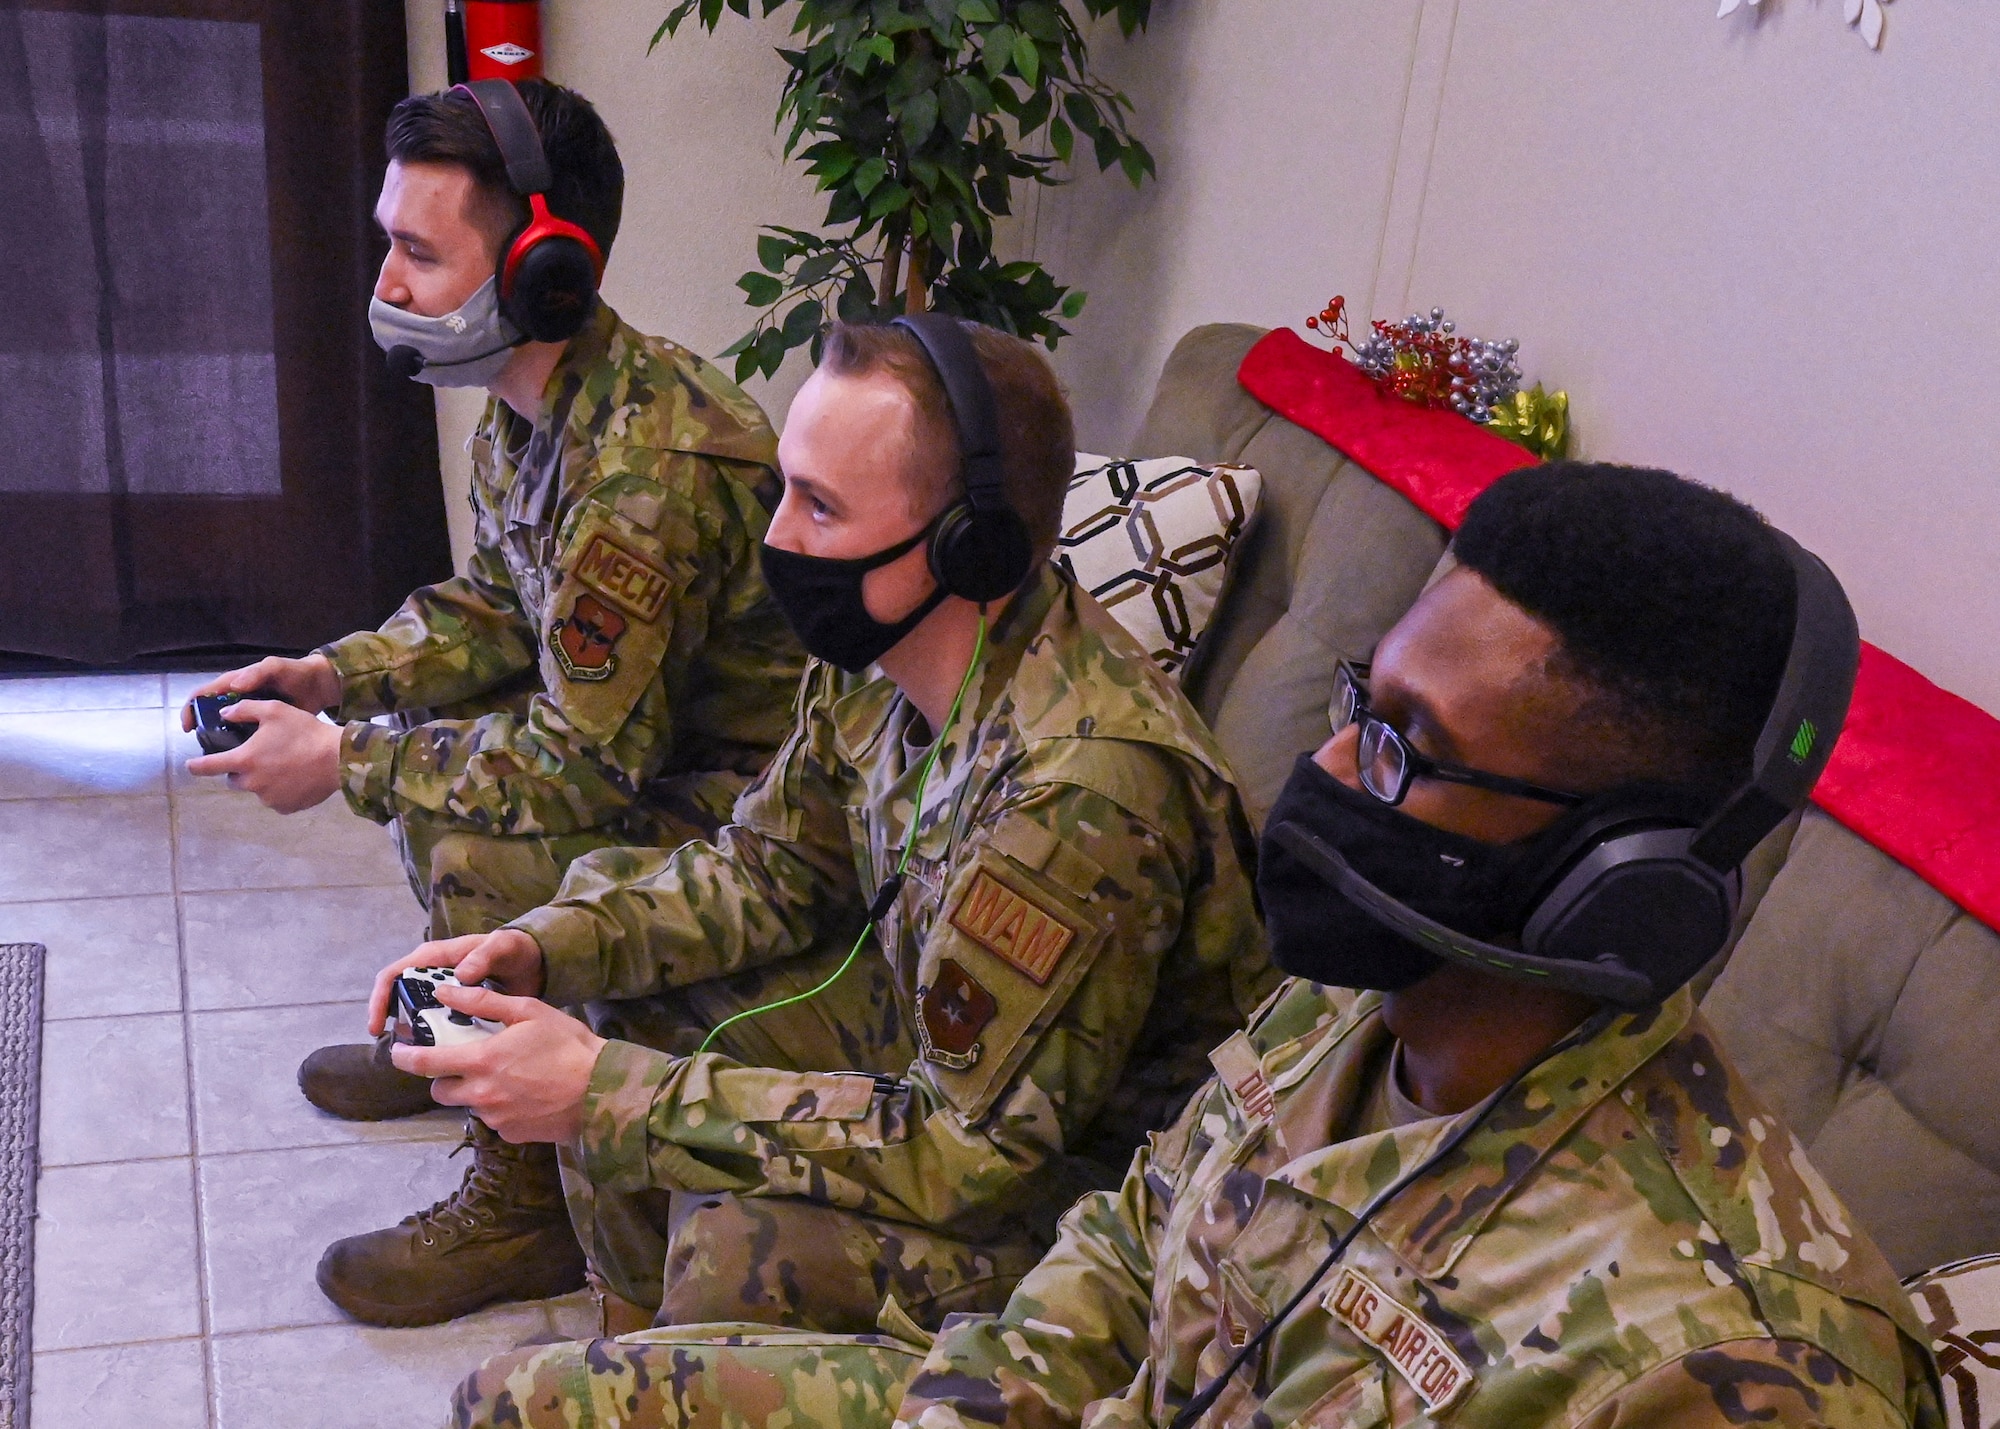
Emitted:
<point x="549" y="267"/>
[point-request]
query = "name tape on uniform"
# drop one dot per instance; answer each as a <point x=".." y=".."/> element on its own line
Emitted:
<point x="1420" y="1353"/>
<point x="630" y="582"/>
<point x="1242" y="1072"/>
<point x="1005" y="923"/>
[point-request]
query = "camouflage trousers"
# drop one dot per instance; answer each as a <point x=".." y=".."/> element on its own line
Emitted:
<point x="472" y="882"/>
<point x="780" y="1260"/>
<point x="714" y="1376"/>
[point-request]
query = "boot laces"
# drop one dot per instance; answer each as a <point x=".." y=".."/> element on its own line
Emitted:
<point x="470" y="1206"/>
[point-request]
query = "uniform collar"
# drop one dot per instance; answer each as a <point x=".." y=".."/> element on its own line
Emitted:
<point x="861" y="716"/>
<point x="1431" y="1222"/>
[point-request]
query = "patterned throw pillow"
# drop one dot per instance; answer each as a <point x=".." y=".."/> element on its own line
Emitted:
<point x="1152" y="541"/>
<point x="1960" y="1303"/>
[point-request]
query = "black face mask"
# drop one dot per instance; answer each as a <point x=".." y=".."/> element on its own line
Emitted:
<point x="1317" y="933"/>
<point x="821" y="600"/>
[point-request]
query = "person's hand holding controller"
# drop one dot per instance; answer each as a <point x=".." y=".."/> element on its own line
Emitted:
<point x="310" y="683"/>
<point x="505" y="956"/>
<point x="292" y="760"/>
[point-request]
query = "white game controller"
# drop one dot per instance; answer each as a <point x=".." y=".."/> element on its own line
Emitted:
<point x="420" y="1020"/>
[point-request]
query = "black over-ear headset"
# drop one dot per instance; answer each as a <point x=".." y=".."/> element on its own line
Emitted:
<point x="549" y="268"/>
<point x="980" y="549"/>
<point x="1642" y="895"/>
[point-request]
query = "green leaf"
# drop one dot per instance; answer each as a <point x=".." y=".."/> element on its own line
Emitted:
<point x="1073" y="304"/>
<point x="1027" y="59"/>
<point x="815" y="269"/>
<point x="1136" y="163"/>
<point x="1039" y="20"/>
<point x="773" y="252"/>
<point x="871" y="173"/>
<point x="802" y="323"/>
<point x="1060" y="138"/>
<point x="770" y="351"/>
<point x="1082" y="113"/>
<point x="954" y="107"/>
<point x="996" y="49"/>
<point x="761" y="289"/>
<point x="888" y="199"/>
<point x="920" y="116"/>
<point x="977" y="12"/>
<point x="857" y="301"/>
<point x="1035" y="113"/>
<point x="742" y="344"/>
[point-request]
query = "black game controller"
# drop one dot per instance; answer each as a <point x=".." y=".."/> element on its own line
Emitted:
<point x="214" y="733"/>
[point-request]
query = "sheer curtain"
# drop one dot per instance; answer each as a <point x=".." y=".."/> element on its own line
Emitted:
<point x="199" y="449"/>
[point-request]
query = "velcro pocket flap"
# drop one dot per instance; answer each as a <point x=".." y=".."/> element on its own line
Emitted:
<point x="999" y="964"/>
<point x="609" y="621"/>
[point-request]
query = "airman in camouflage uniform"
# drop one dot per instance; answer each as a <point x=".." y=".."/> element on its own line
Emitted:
<point x="1629" y="1239"/>
<point x="610" y="670"/>
<point x="1077" y="922"/>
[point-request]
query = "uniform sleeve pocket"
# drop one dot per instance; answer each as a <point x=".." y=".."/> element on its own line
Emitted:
<point x="607" y="625"/>
<point x="1001" y="961"/>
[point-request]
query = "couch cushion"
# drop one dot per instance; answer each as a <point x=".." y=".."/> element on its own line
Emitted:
<point x="1961" y="1305"/>
<point x="1865" y="1006"/>
<point x="1155" y="542"/>
<point x="1332" y="559"/>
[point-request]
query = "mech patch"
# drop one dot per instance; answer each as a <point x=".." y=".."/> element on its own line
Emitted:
<point x="952" y="1011"/>
<point x="583" y="640"/>
<point x="629" y="581"/>
<point x="1015" y="928"/>
<point x="1417" y="1349"/>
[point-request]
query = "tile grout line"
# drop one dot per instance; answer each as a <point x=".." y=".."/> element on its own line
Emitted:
<point x="193" y="892"/>
<point x="444" y="1138"/>
<point x="187" y="1071"/>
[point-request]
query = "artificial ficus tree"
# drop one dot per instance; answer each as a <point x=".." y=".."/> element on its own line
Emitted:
<point x="917" y="117"/>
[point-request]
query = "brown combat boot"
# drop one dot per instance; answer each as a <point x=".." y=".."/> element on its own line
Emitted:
<point x="357" y="1082"/>
<point x="503" y="1235"/>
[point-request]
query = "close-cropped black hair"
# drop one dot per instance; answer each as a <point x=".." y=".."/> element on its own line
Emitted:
<point x="588" y="181"/>
<point x="1672" y="600"/>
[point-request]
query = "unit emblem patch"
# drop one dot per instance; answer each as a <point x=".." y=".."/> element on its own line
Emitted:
<point x="952" y="1011"/>
<point x="1417" y="1348"/>
<point x="1015" y="929"/>
<point x="584" y="639"/>
<point x="629" y="581"/>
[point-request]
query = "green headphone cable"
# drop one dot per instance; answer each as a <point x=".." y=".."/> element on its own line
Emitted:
<point x="885" y="896"/>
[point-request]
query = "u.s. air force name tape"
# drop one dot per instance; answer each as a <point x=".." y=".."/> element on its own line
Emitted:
<point x="1417" y="1349"/>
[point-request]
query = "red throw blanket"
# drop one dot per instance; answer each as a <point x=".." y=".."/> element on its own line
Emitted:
<point x="1917" y="769"/>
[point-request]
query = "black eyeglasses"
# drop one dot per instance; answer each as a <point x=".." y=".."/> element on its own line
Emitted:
<point x="1389" y="765"/>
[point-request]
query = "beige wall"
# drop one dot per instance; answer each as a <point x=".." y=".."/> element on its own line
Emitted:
<point x="1755" y="252"/>
<point x="1752" y="249"/>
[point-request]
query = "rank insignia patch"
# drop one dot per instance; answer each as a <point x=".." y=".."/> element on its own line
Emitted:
<point x="583" y="640"/>
<point x="953" y="1010"/>
<point x="632" y="583"/>
<point x="1008" y="925"/>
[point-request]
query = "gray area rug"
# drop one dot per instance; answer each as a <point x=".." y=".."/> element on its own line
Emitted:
<point x="20" y="1108"/>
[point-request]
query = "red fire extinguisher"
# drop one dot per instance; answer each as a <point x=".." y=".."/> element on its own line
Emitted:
<point x="492" y="39"/>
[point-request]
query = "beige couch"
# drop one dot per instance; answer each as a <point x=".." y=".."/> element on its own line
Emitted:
<point x="1861" y="1003"/>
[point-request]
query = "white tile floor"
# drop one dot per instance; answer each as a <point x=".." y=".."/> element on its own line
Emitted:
<point x="199" y="946"/>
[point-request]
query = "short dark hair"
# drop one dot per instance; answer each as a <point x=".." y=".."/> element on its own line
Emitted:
<point x="588" y="181"/>
<point x="1037" y="433"/>
<point x="1673" y="601"/>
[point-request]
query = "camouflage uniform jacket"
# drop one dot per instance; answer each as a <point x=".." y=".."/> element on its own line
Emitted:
<point x="1629" y="1239"/>
<point x="615" y="554"/>
<point x="1078" y="918"/>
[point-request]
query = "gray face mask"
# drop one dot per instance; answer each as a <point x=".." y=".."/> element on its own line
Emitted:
<point x="466" y="348"/>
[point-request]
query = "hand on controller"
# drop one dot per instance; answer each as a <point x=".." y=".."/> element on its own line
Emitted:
<point x="310" y="683"/>
<point x="506" y="957"/>
<point x="526" y="1081"/>
<point x="287" y="757"/>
